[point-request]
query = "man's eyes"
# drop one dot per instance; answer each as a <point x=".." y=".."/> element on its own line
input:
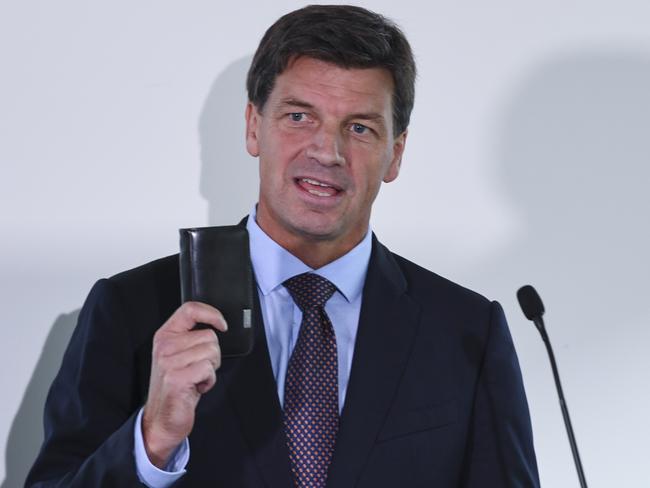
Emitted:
<point x="359" y="129"/>
<point x="297" y="116"/>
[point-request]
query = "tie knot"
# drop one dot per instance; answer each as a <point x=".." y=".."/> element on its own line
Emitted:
<point x="309" y="290"/>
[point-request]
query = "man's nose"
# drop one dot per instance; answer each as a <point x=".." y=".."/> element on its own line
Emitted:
<point x="327" y="146"/>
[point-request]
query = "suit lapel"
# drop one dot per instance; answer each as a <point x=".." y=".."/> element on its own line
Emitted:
<point x="254" y="397"/>
<point x="387" y="326"/>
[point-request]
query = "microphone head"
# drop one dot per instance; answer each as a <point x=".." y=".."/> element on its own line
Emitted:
<point x="530" y="302"/>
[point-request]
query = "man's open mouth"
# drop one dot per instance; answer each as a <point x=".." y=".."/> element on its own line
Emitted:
<point x="317" y="187"/>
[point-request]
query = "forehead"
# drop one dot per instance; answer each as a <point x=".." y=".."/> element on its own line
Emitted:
<point x="343" y="89"/>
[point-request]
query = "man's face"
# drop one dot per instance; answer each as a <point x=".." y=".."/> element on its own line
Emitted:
<point x="325" y="143"/>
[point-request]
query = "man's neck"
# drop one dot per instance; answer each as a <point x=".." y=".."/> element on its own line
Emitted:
<point x="317" y="253"/>
<point x="313" y="251"/>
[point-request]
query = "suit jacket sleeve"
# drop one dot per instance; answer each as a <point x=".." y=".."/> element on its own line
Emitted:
<point x="500" y="448"/>
<point x="92" y="404"/>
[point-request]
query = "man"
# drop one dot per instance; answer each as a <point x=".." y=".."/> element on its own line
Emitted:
<point x="367" y="370"/>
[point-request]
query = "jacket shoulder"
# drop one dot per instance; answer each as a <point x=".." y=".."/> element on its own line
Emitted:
<point x="422" y="283"/>
<point x="162" y="269"/>
<point x="149" y="293"/>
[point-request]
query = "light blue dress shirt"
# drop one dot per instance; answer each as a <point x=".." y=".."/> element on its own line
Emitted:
<point x="272" y="265"/>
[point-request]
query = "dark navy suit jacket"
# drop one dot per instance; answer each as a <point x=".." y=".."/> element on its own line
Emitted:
<point x="435" y="396"/>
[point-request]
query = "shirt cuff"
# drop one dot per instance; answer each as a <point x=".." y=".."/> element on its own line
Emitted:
<point x="149" y="474"/>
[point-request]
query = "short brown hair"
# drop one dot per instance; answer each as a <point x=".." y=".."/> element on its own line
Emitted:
<point x="348" y="36"/>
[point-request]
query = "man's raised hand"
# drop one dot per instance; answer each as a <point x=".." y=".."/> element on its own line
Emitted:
<point x="183" y="367"/>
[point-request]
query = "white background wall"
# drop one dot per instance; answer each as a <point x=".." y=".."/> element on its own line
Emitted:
<point x="527" y="161"/>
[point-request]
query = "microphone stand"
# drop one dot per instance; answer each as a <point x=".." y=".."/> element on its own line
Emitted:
<point x="539" y="323"/>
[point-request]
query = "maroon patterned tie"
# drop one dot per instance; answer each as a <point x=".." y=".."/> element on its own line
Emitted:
<point x="311" y="391"/>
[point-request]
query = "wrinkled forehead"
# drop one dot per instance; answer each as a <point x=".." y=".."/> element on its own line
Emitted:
<point x="312" y="81"/>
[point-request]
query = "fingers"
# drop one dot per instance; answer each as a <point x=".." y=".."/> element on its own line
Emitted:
<point x="169" y="344"/>
<point x="198" y="376"/>
<point x="204" y="351"/>
<point x="191" y="313"/>
<point x="176" y="349"/>
<point x="176" y="345"/>
<point x="207" y="372"/>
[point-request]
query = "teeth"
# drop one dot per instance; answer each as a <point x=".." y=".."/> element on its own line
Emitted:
<point x="319" y="193"/>
<point x="314" y="182"/>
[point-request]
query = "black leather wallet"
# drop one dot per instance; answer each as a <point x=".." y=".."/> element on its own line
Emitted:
<point x="215" y="268"/>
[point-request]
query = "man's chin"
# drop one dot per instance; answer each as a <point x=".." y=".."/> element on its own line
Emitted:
<point x="317" y="231"/>
<point x="307" y="225"/>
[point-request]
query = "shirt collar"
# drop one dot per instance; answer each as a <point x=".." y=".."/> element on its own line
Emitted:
<point x="273" y="264"/>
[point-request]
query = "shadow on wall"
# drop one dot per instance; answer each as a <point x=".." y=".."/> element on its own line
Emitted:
<point x="229" y="175"/>
<point x="26" y="433"/>
<point x="573" y="157"/>
<point x="229" y="182"/>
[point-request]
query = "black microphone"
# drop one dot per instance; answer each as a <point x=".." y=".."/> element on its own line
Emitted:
<point x="533" y="308"/>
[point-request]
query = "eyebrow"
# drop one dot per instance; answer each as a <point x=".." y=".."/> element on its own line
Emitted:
<point x="293" y="102"/>
<point x="368" y="116"/>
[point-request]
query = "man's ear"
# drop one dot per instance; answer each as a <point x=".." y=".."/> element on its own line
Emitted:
<point x="396" y="162"/>
<point x="252" y="125"/>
